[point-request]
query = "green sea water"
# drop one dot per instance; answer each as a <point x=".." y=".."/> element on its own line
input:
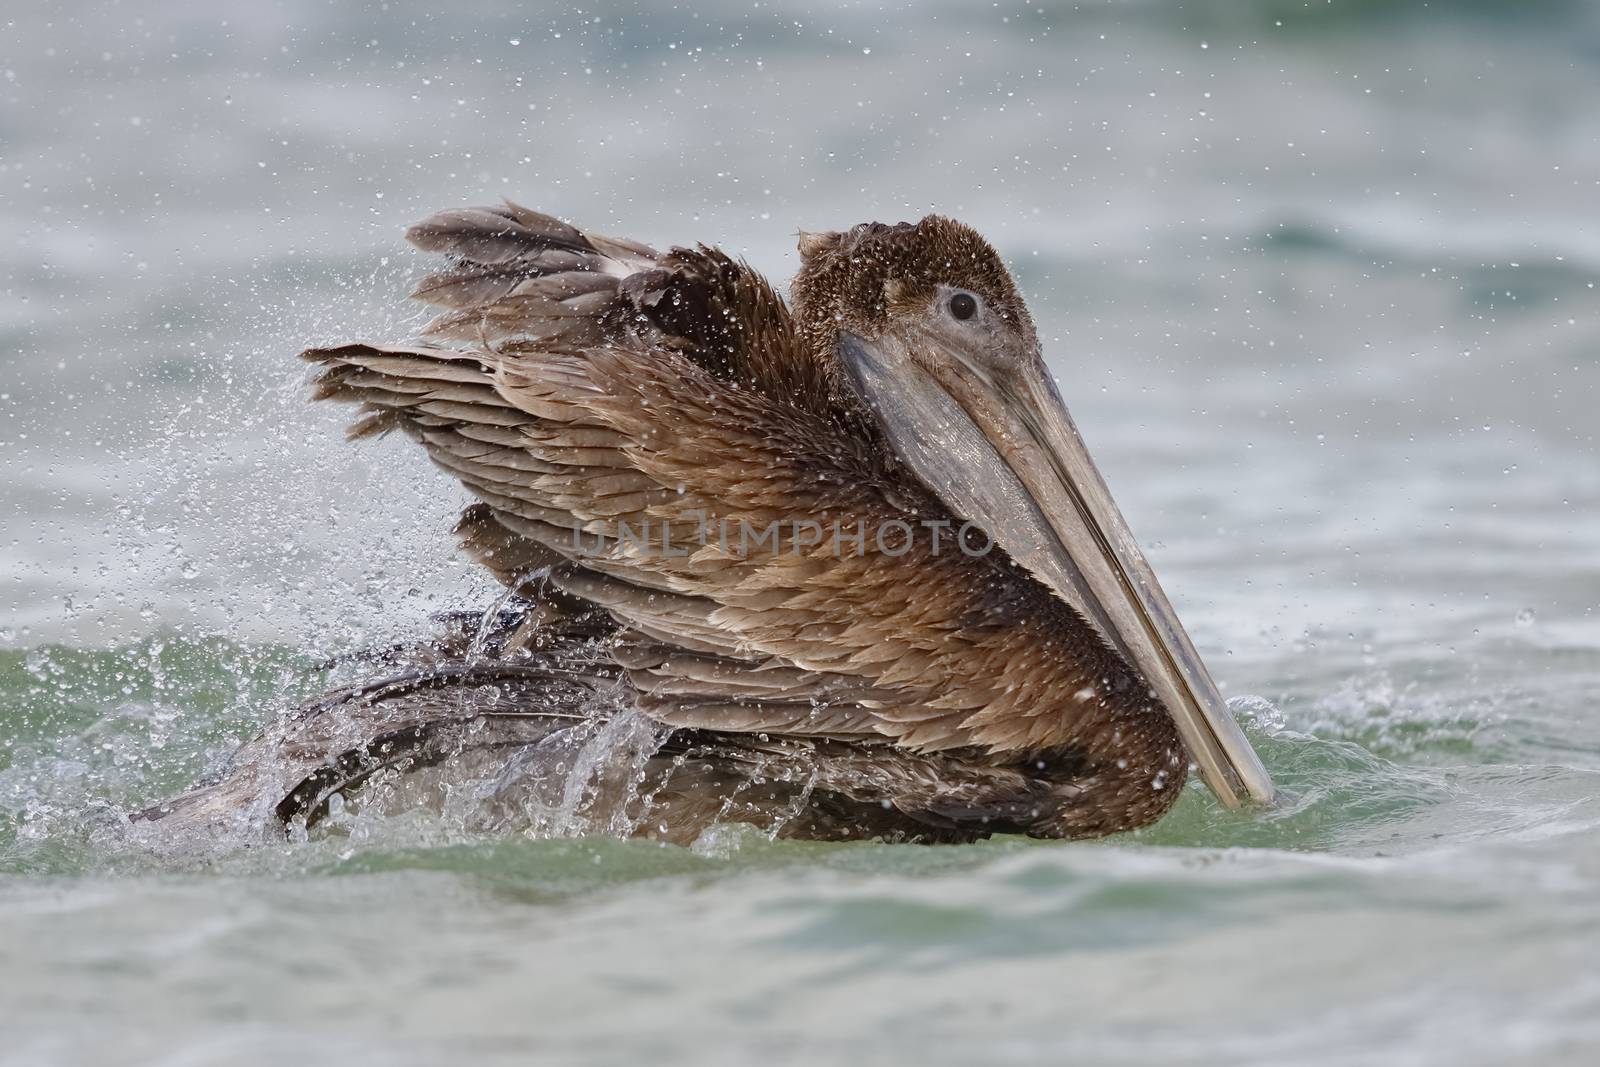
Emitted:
<point x="1318" y="283"/>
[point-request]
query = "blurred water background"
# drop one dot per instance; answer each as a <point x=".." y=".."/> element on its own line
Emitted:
<point x="1318" y="280"/>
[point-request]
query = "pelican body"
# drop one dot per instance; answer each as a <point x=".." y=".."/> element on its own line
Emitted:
<point x="841" y="566"/>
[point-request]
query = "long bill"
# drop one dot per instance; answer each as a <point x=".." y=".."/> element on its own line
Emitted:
<point x="1002" y="451"/>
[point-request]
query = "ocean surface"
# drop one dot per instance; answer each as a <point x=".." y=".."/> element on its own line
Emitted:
<point x="1318" y="281"/>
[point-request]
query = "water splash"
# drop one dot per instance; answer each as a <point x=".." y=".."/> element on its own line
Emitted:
<point x="587" y="779"/>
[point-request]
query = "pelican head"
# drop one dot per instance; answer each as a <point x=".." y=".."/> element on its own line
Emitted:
<point x="931" y="334"/>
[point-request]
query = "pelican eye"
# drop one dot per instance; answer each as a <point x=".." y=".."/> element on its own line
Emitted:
<point x="963" y="306"/>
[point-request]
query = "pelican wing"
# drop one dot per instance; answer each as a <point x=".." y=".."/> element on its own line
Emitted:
<point x="559" y="491"/>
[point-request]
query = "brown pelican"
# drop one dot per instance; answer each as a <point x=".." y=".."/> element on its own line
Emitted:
<point x="846" y="559"/>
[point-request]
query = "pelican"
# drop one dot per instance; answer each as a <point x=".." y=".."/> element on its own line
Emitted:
<point x="839" y="566"/>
